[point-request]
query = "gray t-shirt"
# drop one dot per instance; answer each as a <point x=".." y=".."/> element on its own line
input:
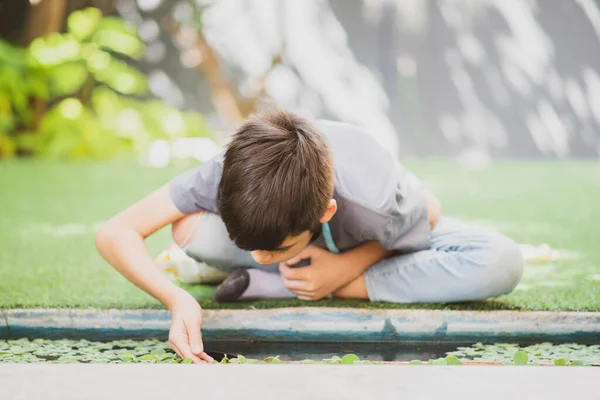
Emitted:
<point x="378" y="199"/>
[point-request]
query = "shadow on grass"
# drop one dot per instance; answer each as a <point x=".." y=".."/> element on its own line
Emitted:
<point x="487" y="305"/>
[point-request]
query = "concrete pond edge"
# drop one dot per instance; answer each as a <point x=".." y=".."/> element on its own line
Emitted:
<point x="310" y="325"/>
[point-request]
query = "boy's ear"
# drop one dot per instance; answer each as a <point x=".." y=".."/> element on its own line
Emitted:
<point x="331" y="209"/>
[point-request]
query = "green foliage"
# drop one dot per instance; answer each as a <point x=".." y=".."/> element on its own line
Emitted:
<point x="521" y="357"/>
<point x="451" y="359"/>
<point x="19" y="82"/>
<point x="93" y="94"/>
<point x="560" y="362"/>
<point x="273" y="360"/>
<point x="349" y="359"/>
<point x="158" y="352"/>
<point x="538" y="354"/>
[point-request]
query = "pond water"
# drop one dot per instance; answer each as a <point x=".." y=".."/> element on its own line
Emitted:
<point x="156" y="351"/>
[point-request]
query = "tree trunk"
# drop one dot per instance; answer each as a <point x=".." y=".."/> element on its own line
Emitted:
<point x="45" y="16"/>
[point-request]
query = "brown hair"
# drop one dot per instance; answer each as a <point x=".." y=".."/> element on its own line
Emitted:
<point x="277" y="181"/>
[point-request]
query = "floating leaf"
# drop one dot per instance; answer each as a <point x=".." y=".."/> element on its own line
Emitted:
<point x="129" y="358"/>
<point x="416" y="362"/>
<point x="451" y="359"/>
<point x="167" y="356"/>
<point x="560" y="362"/>
<point x="576" y="363"/>
<point x="521" y="357"/>
<point x="273" y="360"/>
<point x="333" y="360"/>
<point x="187" y="361"/>
<point x="350" y="359"/>
<point x="308" y="362"/>
<point x="148" y="357"/>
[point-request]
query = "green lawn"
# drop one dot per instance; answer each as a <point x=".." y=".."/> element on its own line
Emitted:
<point x="49" y="211"/>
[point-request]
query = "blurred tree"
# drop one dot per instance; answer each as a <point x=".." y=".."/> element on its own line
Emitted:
<point x="99" y="106"/>
<point x="231" y="106"/>
<point x="292" y="53"/>
<point x="44" y="17"/>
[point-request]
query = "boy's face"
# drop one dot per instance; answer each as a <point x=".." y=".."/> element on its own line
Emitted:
<point x="291" y="247"/>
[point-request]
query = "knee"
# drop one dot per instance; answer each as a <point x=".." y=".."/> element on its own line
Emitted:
<point x="183" y="229"/>
<point x="203" y="236"/>
<point x="503" y="264"/>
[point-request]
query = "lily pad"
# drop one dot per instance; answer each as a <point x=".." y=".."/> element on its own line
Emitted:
<point x="520" y="357"/>
<point x="350" y="359"/>
<point x="560" y="362"/>
<point x="273" y="360"/>
<point x="451" y="359"/>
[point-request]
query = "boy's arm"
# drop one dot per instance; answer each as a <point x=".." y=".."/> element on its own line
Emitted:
<point x="120" y="241"/>
<point x="341" y="274"/>
<point x="327" y="271"/>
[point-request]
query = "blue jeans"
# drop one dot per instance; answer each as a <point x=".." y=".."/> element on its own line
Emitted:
<point x="464" y="263"/>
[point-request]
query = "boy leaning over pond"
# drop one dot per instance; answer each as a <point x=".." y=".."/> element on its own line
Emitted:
<point x="287" y="190"/>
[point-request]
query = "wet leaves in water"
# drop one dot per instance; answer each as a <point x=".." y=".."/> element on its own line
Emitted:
<point x="155" y="351"/>
<point x="560" y="362"/>
<point x="521" y="357"/>
<point x="451" y="359"/>
<point x="349" y="359"/>
<point x="273" y="360"/>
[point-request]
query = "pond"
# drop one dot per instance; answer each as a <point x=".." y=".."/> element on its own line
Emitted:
<point x="156" y="351"/>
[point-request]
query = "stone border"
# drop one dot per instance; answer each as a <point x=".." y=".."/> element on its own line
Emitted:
<point x="311" y="324"/>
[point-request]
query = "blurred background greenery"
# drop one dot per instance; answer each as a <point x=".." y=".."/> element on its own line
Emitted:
<point x="78" y="94"/>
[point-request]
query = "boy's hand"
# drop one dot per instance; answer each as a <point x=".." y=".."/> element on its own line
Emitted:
<point x="434" y="206"/>
<point x="185" y="337"/>
<point x="323" y="276"/>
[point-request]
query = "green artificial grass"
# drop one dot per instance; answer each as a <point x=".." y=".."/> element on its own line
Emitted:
<point x="49" y="212"/>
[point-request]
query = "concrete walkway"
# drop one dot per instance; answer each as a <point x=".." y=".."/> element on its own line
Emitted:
<point x="163" y="382"/>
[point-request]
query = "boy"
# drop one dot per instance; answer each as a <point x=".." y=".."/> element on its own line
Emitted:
<point x="288" y="190"/>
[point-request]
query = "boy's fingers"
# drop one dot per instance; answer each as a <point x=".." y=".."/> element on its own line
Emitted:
<point x="294" y="285"/>
<point x="189" y="354"/>
<point x="307" y="298"/>
<point x="176" y="350"/>
<point x="193" y="330"/>
<point x="206" y="357"/>
<point x="291" y="273"/>
<point x="294" y="261"/>
<point x="183" y="350"/>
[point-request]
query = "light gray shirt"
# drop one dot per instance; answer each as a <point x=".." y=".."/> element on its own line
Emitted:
<point x="377" y="197"/>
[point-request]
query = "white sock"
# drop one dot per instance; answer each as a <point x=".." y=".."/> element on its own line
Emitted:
<point x="265" y="285"/>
